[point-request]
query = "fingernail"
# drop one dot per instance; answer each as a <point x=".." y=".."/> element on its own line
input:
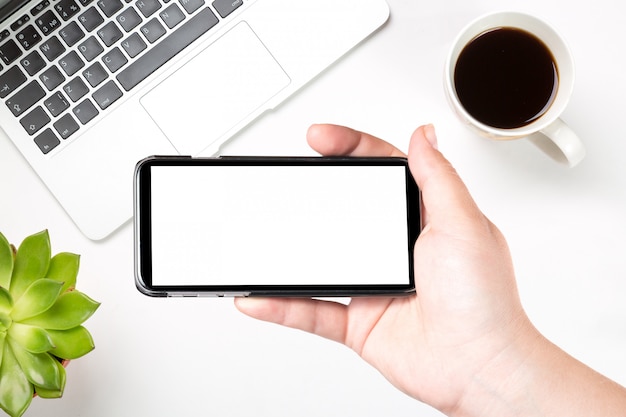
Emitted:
<point x="431" y="137"/>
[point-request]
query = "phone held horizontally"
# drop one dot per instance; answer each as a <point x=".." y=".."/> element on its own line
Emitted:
<point x="275" y="226"/>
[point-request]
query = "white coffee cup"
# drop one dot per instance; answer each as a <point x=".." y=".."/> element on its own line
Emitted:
<point x="547" y="131"/>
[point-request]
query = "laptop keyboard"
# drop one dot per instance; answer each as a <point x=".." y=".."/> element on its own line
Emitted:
<point x="67" y="61"/>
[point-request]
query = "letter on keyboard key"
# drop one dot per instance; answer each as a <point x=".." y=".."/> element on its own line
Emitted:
<point x="52" y="78"/>
<point x="71" y="34"/>
<point x="192" y="5"/>
<point x="110" y="33"/>
<point x="133" y="45"/>
<point x="33" y="63"/>
<point x="75" y="89"/>
<point x="172" y="16"/>
<point x="129" y="19"/>
<point x="114" y="59"/>
<point x="110" y="7"/>
<point x="90" y="19"/>
<point x="153" y="30"/>
<point x="148" y="7"/>
<point x="52" y="48"/>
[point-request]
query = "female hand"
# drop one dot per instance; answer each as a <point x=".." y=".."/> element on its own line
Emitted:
<point x="466" y="308"/>
<point x="462" y="343"/>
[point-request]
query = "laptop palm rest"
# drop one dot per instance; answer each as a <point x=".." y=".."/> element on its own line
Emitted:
<point x="219" y="88"/>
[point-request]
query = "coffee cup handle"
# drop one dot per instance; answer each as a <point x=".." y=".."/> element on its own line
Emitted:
<point x="560" y="142"/>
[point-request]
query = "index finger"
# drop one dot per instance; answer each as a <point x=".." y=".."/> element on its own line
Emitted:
<point x="334" y="140"/>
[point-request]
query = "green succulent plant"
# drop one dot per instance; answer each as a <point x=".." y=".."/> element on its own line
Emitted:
<point x="41" y="316"/>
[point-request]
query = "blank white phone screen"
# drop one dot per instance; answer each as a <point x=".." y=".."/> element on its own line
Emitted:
<point x="279" y="225"/>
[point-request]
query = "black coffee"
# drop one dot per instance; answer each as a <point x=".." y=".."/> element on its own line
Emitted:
<point x="506" y="78"/>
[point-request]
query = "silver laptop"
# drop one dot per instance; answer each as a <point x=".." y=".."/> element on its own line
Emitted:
<point x="89" y="87"/>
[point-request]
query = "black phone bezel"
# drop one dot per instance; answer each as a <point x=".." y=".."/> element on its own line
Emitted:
<point x="143" y="234"/>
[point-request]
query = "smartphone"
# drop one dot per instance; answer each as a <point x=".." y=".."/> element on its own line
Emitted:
<point x="275" y="226"/>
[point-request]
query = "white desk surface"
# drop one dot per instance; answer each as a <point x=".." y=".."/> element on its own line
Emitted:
<point x="566" y="229"/>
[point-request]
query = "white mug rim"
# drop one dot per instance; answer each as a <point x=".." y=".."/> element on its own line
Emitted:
<point x="564" y="61"/>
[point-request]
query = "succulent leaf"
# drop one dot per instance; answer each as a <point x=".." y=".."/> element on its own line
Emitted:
<point x="3" y="336"/>
<point x="17" y="392"/>
<point x="64" y="268"/>
<point x="70" y="310"/>
<point x="31" y="262"/>
<point x="6" y="262"/>
<point x="72" y="343"/>
<point x="5" y="322"/>
<point x="37" y="298"/>
<point x="33" y="339"/>
<point x="40" y="368"/>
<point x="52" y="393"/>
<point x="6" y="301"/>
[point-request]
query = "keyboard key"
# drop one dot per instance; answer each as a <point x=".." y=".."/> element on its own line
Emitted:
<point x="85" y="111"/>
<point x="20" y="22"/>
<point x="56" y="104"/>
<point x="47" y="141"/>
<point x="33" y="63"/>
<point x="153" y="30"/>
<point x="52" y="78"/>
<point x="148" y="7"/>
<point x="129" y="19"/>
<point x="9" y="52"/>
<point x="35" y="120"/>
<point x="172" y="15"/>
<point x="95" y="74"/>
<point x="52" y="48"/>
<point x="28" y="37"/>
<point x="91" y="19"/>
<point x="90" y="48"/>
<point x="76" y="89"/>
<point x="11" y="80"/>
<point x="71" y="34"/>
<point x="25" y="98"/>
<point x="110" y="7"/>
<point x="191" y="6"/>
<point x="114" y="59"/>
<point x="166" y="49"/>
<point x="107" y="94"/>
<point x="226" y="7"/>
<point x="66" y="8"/>
<point x="48" y="22"/>
<point x="71" y="63"/>
<point x="4" y="34"/>
<point x="110" y="33"/>
<point x="39" y="7"/>
<point x="66" y="126"/>
<point x="133" y="45"/>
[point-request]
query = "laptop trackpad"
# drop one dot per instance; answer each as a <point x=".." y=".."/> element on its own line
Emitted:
<point x="217" y="89"/>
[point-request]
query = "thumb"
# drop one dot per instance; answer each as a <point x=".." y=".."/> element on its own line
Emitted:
<point x="447" y="202"/>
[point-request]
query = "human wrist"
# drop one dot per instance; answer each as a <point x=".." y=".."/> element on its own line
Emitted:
<point x="501" y="387"/>
<point x="532" y="377"/>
